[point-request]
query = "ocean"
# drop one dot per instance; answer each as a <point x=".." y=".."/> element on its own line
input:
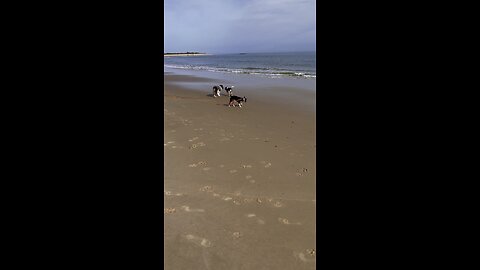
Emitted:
<point x="273" y="65"/>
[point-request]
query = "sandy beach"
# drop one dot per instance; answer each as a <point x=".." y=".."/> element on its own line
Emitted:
<point x="239" y="183"/>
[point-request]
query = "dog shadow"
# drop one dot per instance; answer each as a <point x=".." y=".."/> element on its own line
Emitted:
<point x="221" y="95"/>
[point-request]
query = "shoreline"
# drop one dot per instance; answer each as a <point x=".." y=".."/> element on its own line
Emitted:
<point x="239" y="183"/>
<point x="290" y="92"/>
<point x="184" y="54"/>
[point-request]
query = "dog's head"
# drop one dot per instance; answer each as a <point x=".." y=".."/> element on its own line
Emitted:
<point x="244" y="99"/>
<point x="221" y="86"/>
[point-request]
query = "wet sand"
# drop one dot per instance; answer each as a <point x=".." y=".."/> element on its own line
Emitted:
<point x="239" y="183"/>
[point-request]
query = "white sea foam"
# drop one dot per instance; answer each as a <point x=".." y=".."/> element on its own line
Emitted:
<point x="264" y="73"/>
<point x="271" y="65"/>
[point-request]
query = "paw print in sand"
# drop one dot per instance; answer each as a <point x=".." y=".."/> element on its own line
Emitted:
<point x="169" y="210"/>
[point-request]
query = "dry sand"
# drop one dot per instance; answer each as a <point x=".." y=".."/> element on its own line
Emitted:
<point x="239" y="187"/>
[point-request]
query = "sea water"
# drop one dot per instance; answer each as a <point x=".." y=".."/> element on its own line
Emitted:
<point x="300" y="65"/>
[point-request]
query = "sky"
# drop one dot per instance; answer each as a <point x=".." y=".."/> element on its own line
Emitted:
<point x="235" y="26"/>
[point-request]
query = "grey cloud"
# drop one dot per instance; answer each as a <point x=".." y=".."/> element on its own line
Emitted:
<point x="238" y="26"/>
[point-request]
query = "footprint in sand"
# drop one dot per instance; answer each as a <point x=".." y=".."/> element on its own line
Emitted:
<point x="302" y="257"/>
<point x="206" y="168"/>
<point x="233" y="171"/>
<point x="169" y="210"/>
<point x="283" y="220"/>
<point x="199" y="240"/>
<point x="187" y="209"/>
<point x="227" y="198"/>
<point x="287" y="222"/>
<point x="169" y="193"/>
<point x="197" y="164"/>
<point x="247" y="200"/>
<point x="246" y="166"/>
<point x="206" y="189"/>
<point x="301" y="172"/>
<point x="195" y="145"/>
<point x="193" y="139"/>
<point x="278" y="204"/>
<point x="266" y="164"/>
<point x="237" y="235"/>
<point x="237" y="202"/>
<point x="249" y="177"/>
<point x="259" y="221"/>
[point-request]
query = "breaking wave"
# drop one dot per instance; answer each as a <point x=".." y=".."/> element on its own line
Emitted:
<point x="264" y="72"/>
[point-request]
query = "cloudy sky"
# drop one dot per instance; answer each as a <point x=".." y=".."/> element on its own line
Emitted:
<point x="233" y="26"/>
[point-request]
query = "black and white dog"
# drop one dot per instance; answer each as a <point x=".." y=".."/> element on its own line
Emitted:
<point x="217" y="89"/>
<point x="237" y="99"/>
<point x="229" y="90"/>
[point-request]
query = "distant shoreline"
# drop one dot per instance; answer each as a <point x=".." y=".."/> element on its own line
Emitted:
<point x="184" y="54"/>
